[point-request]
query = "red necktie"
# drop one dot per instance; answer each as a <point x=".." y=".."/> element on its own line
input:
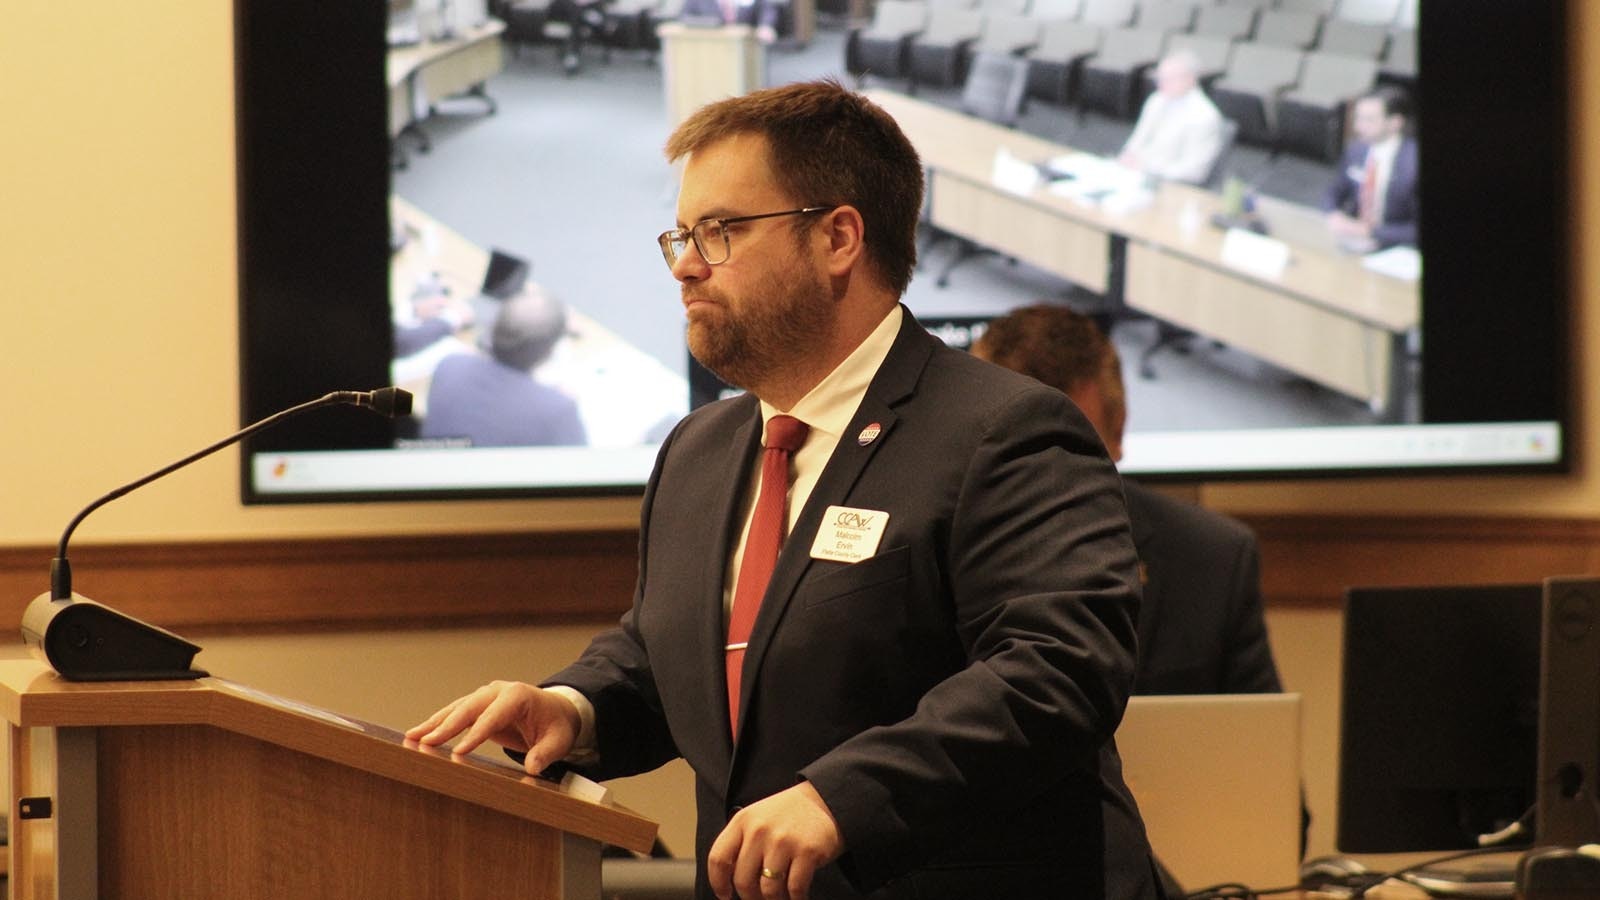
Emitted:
<point x="1367" y="201"/>
<point x="785" y="434"/>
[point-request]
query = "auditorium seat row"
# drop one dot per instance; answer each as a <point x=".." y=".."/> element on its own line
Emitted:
<point x="1285" y="75"/>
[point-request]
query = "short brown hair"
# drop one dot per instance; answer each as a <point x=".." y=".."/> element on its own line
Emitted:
<point x="1060" y="347"/>
<point x="830" y="146"/>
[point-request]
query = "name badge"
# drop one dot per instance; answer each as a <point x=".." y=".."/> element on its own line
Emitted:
<point x="849" y="535"/>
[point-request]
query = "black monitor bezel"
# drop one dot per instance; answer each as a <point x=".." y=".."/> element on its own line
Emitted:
<point x="313" y="173"/>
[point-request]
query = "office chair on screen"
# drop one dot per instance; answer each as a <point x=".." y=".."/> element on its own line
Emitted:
<point x="995" y="88"/>
<point x="994" y="91"/>
<point x="566" y="23"/>
<point x="879" y="49"/>
<point x="630" y="25"/>
<point x="1055" y="65"/>
<point x="1311" y="118"/>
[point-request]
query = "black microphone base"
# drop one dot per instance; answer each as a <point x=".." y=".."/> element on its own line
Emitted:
<point x="85" y="641"/>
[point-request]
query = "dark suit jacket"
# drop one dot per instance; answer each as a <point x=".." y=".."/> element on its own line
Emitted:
<point x="1402" y="207"/>
<point x="748" y="12"/>
<point x="951" y="698"/>
<point x="495" y="405"/>
<point x="1202" y="629"/>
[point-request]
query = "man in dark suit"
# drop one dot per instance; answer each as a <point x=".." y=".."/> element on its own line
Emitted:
<point x="763" y="15"/>
<point x="493" y="400"/>
<point x="944" y="646"/>
<point x="1202" y="629"/>
<point x="1372" y="202"/>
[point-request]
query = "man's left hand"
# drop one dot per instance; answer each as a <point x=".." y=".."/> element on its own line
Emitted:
<point x="771" y="849"/>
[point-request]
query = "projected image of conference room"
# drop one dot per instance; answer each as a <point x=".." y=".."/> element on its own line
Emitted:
<point x="1232" y="190"/>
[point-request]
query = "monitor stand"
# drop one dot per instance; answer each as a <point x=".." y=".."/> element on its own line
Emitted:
<point x="1468" y="878"/>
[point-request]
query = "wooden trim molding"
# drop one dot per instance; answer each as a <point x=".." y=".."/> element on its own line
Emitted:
<point x="538" y="578"/>
<point x="1310" y="560"/>
<point x="343" y="583"/>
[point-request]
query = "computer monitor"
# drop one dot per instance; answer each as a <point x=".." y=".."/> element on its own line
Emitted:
<point x="1439" y="729"/>
<point x="324" y="125"/>
<point x="1569" y="714"/>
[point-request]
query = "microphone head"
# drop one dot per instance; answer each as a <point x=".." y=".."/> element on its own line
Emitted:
<point x="392" y="401"/>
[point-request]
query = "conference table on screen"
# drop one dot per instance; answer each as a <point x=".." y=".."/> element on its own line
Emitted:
<point x="421" y="75"/>
<point x="623" y="393"/>
<point x="1323" y="316"/>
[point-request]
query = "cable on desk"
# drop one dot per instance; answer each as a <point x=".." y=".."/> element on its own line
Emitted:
<point x="1236" y="891"/>
<point x="1403" y="874"/>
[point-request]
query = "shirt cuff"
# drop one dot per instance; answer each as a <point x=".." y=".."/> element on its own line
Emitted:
<point x="583" y="751"/>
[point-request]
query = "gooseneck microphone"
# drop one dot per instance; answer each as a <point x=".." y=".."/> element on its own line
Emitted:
<point x="85" y="641"/>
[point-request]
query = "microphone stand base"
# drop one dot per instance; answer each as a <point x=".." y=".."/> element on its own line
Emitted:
<point x="86" y="641"/>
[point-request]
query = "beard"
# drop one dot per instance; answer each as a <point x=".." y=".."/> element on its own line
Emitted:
<point x="751" y="340"/>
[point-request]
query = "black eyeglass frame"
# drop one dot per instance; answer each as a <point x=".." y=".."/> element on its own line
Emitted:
<point x="676" y="240"/>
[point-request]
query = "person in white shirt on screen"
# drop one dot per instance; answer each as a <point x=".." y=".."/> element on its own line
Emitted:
<point x="1372" y="202"/>
<point x="1179" y="132"/>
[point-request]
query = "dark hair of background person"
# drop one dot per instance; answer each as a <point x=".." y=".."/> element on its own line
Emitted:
<point x="1062" y="348"/>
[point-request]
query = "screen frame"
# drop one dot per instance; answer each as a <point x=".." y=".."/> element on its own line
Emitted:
<point x="311" y="119"/>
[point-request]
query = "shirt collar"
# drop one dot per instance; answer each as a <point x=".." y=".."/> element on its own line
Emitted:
<point x="829" y="406"/>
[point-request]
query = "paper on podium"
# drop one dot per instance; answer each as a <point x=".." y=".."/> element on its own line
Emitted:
<point x="582" y="788"/>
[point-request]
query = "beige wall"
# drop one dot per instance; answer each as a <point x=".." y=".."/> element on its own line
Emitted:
<point x="117" y="244"/>
<point x="117" y="240"/>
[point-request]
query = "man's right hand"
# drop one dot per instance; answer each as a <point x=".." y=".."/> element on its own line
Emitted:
<point x="525" y="718"/>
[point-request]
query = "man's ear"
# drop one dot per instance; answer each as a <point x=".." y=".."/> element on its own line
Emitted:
<point x="846" y="240"/>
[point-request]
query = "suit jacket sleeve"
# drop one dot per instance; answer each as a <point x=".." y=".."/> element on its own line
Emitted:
<point x="1401" y="207"/>
<point x="1040" y="570"/>
<point x="614" y="674"/>
<point x="1249" y="665"/>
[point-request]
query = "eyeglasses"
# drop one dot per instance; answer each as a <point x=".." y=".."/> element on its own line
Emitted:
<point x="710" y="236"/>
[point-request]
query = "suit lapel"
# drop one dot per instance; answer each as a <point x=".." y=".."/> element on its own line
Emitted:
<point x="895" y="380"/>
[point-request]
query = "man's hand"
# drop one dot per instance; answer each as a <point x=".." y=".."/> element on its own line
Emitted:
<point x="516" y="715"/>
<point x="772" y="848"/>
<point x="1346" y="226"/>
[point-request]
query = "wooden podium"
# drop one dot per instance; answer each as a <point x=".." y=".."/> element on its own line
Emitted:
<point x="702" y="64"/>
<point x="204" y="789"/>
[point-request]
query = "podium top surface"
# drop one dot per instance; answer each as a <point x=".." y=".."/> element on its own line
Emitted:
<point x="32" y="695"/>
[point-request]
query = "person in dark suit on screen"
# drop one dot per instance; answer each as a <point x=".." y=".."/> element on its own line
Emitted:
<point x="764" y="16"/>
<point x="1372" y="202"/>
<point x="1202" y="629"/>
<point x="493" y="400"/>
<point x="920" y="703"/>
